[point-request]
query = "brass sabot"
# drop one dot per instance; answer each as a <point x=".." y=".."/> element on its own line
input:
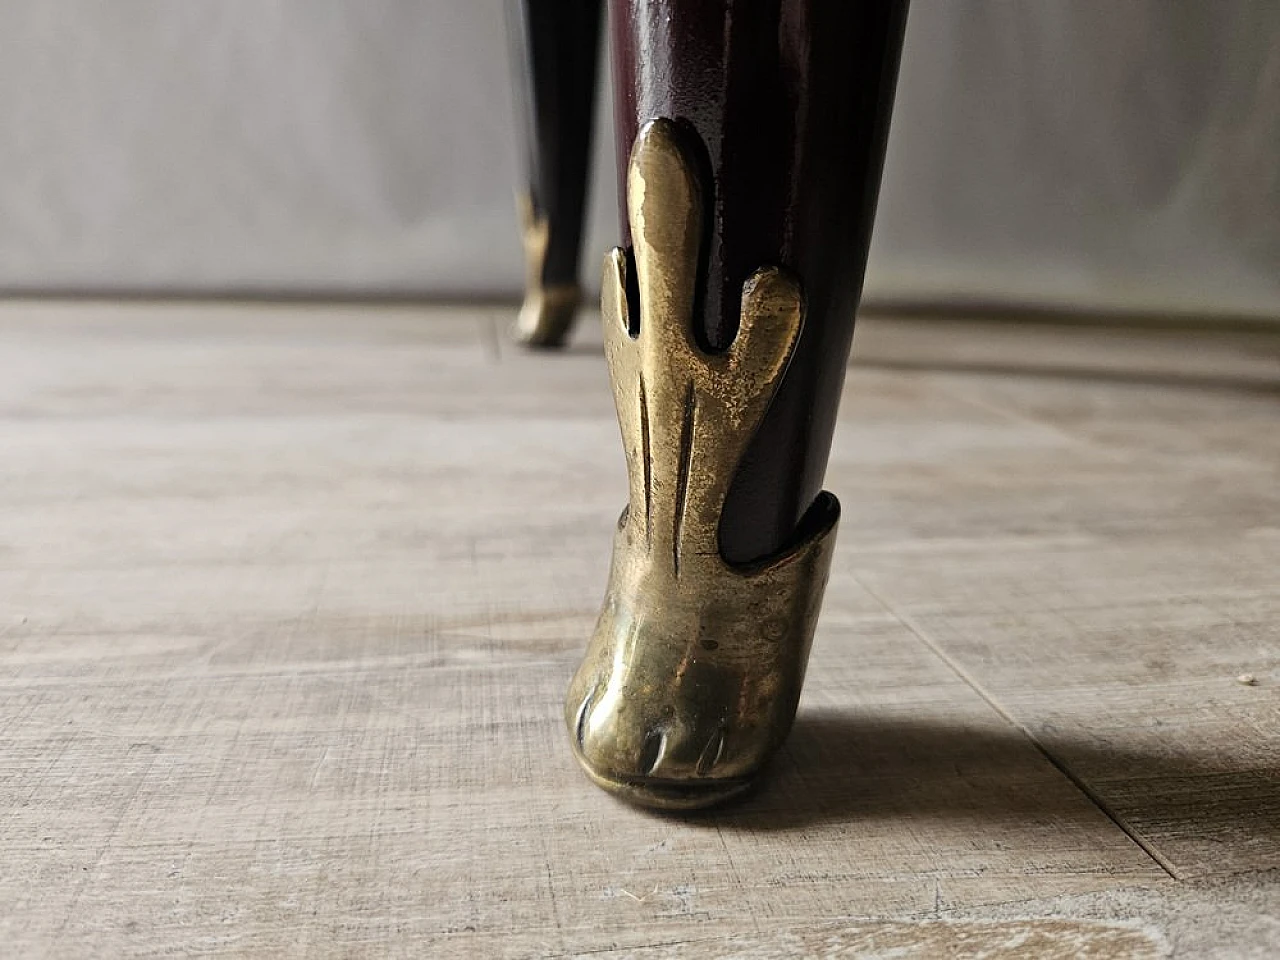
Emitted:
<point x="692" y="676"/>
<point x="546" y="315"/>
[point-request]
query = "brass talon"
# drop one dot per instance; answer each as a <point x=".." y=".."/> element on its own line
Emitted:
<point x="692" y="676"/>
<point x="548" y="311"/>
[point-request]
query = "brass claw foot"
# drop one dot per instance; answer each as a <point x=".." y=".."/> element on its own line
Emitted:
<point x="692" y="677"/>
<point x="548" y="311"/>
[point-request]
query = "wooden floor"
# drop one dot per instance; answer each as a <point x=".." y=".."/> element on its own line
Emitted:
<point x="289" y="596"/>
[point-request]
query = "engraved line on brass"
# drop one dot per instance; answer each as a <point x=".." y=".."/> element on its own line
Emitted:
<point x="646" y="455"/>
<point x="682" y="472"/>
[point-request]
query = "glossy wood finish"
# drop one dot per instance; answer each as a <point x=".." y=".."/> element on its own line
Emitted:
<point x="555" y="47"/>
<point x="791" y="100"/>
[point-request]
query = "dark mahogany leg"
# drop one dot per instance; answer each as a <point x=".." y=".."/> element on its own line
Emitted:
<point x="751" y="135"/>
<point x="555" y="45"/>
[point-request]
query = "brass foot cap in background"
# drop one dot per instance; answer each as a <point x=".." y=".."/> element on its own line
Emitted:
<point x="546" y="316"/>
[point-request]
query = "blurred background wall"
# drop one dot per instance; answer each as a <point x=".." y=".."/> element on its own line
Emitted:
<point x="1102" y="155"/>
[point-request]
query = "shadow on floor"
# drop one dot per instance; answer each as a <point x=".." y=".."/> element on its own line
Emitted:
<point x="838" y="768"/>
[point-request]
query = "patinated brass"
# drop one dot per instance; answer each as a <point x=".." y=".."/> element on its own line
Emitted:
<point x="692" y="677"/>
<point x="546" y="316"/>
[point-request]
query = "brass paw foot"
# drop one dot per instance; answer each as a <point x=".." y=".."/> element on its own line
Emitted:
<point x="692" y="677"/>
<point x="548" y="311"/>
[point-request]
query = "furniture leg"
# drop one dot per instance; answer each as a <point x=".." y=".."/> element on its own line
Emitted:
<point x="751" y="137"/>
<point x="555" y="46"/>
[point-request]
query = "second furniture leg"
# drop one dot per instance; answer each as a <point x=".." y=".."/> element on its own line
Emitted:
<point x="555" y="46"/>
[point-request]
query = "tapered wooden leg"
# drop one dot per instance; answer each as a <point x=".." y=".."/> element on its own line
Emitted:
<point x="751" y="135"/>
<point x="555" y="46"/>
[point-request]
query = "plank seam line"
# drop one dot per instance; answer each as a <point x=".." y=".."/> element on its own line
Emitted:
<point x="1012" y="416"/>
<point x="1059" y="765"/>
<point x="491" y="338"/>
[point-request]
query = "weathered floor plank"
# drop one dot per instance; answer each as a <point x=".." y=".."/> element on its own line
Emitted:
<point x="1100" y="559"/>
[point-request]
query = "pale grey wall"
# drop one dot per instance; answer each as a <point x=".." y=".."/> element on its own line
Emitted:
<point x="1098" y="154"/>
